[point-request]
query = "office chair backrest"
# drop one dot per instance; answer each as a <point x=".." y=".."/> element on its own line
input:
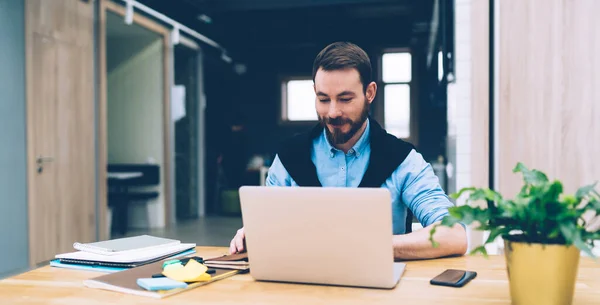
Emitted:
<point x="150" y="174"/>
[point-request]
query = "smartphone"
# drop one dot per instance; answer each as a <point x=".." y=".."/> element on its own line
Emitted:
<point x="453" y="278"/>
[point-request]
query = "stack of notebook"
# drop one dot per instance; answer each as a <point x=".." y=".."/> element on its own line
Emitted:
<point x="121" y="254"/>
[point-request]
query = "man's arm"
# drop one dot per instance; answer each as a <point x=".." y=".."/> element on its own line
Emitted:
<point x="422" y="194"/>
<point x="277" y="176"/>
<point x="416" y="245"/>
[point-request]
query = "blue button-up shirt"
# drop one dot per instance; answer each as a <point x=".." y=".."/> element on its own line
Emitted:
<point x="413" y="184"/>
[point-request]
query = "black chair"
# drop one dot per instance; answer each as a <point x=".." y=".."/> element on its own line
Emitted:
<point x="122" y="192"/>
<point x="409" y="221"/>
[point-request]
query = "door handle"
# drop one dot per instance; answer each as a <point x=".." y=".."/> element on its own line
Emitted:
<point x="40" y="160"/>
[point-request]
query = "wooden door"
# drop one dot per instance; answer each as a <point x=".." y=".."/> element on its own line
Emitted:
<point x="60" y="123"/>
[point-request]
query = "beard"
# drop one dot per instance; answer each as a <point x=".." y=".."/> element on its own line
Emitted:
<point x="338" y="136"/>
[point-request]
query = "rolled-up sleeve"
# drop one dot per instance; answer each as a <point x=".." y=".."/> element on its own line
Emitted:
<point x="421" y="191"/>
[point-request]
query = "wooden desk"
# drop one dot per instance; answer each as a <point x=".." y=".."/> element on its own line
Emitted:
<point x="48" y="285"/>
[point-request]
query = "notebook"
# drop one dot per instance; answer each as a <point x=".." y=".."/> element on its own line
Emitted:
<point x="238" y="261"/>
<point x="107" y="267"/>
<point x="96" y="268"/>
<point x="126" y="281"/>
<point x="116" y="246"/>
<point x="126" y="259"/>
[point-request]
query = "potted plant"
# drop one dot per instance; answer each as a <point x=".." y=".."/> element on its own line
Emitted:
<point x="543" y="229"/>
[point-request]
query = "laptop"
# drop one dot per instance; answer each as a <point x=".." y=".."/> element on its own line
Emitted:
<point x="320" y="235"/>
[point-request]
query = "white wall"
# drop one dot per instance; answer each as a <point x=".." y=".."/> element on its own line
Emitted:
<point x="135" y="120"/>
<point x="459" y="94"/>
<point x="124" y="48"/>
<point x="466" y="94"/>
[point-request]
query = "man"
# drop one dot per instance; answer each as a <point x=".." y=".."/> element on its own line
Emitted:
<point x="348" y="149"/>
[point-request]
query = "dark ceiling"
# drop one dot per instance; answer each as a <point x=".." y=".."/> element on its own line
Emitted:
<point x="244" y="26"/>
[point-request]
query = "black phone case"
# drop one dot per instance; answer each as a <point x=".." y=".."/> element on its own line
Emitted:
<point x="461" y="283"/>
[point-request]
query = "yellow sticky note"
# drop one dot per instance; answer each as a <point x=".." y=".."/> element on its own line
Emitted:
<point x="191" y="272"/>
<point x="202" y="278"/>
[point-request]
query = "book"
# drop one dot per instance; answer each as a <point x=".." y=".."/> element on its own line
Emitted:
<point x="127" y="259"/>
<point x="120" y="245"/>
<point x="126" y="281"/>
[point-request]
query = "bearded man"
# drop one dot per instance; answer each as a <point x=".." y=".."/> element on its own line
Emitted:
<point x="349" y="149"/>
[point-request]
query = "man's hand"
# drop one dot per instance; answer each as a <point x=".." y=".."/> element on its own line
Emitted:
<point x="238" y="243"/>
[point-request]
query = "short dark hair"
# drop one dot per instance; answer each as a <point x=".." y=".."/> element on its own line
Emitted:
<point x="344" y="55"/>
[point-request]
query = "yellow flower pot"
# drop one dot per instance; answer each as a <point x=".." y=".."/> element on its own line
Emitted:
<point x="541" y="274"/>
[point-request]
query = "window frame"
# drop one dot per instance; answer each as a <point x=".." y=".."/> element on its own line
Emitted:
<point x="283" y="103"/>
<point x="411" y="83"/>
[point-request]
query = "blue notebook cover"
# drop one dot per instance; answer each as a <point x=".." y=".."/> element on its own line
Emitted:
<point x="105" y="269"/>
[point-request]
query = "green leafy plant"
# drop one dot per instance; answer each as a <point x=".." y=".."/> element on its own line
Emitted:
<point x="540" y="213"/>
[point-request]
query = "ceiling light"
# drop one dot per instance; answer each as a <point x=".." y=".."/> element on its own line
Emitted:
<point x="240" y="69"/>
<point x="204" y="18"/>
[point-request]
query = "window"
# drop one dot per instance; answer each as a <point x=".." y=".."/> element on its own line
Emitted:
<point x="440" y="66"/>
<point x="396" y="76"/>
<point x="298" y="100"/>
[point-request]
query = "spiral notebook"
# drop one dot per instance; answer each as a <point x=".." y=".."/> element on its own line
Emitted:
<point x="125" y="257"/>
<point x="109" y="267"/>
<point x="120" y="245"/>
<point x="128" y="259"/>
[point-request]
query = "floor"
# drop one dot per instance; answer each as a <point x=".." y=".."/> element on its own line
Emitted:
<point x="208" y="231"/>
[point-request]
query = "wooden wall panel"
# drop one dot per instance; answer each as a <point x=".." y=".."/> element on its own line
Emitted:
<point x="548" y="90"/>
<point x="479" y="101"/>
<point x="101" y="116"/>
<point x="60" y="124"/>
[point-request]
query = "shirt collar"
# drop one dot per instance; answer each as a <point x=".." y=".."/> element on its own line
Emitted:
<point x="360" y="145"/>
<point x="357" y="149"/>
